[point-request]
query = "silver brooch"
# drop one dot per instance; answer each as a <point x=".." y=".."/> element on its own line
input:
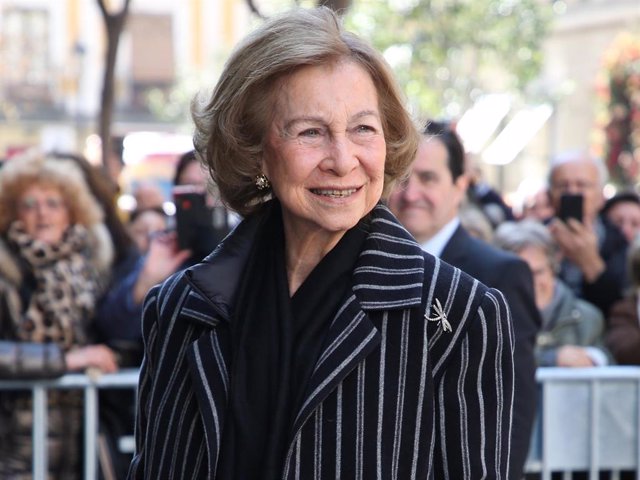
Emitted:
<point x="440" y="317"/>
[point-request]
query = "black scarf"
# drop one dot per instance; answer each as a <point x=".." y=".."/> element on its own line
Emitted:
<point x="276" y="341"/>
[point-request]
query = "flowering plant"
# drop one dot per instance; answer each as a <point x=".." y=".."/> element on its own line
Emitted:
<point x="620" y="92"/>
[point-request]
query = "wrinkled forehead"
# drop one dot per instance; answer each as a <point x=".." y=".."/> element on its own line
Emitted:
<point x="627" y="209"/>
<point x="579" y="166"/>
<point x="40" y="186"/>
<point x="575" y="170"/>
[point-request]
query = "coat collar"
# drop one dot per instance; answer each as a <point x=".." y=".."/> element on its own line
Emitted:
<point x="389" y="273"/>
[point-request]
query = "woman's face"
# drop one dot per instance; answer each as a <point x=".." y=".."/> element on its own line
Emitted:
<point x="44" y="213"/>
<point x="144" y="226"/>
<point x="193" y="174"/>
<point x="626" y="216"/>
<point x="325" y="149"/>
<point x="543" y="276"/>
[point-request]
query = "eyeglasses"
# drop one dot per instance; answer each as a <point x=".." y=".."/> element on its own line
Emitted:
<point x="31" y="204"/>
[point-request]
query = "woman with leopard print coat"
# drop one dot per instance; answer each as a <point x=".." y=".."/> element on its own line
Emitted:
<point x="55" y="255"/>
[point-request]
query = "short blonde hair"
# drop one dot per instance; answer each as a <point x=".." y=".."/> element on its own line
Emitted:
<point x="35" y="168"/>
<point x="230" y="129"/>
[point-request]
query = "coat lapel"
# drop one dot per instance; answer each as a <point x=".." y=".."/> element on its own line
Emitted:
<point x="210" y="377"/>
<point x="388" y="276"/>
<point x="207" y="355"/>
<point x="350" y="339"/>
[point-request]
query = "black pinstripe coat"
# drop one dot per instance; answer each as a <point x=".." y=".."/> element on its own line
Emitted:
<point x="393" y="395"/>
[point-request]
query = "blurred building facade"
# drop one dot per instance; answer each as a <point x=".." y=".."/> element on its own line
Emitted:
<point x="582" y="31"/>
<point x="52" y="63"/>
<point x="52" y="57"/>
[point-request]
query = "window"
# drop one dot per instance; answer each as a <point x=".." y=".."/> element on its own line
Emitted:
<point x="24" y="55"/>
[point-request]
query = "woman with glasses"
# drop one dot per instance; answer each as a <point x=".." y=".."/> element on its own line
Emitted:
<point x="55" y="255"/>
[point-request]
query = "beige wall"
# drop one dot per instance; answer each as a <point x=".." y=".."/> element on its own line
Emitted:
<point x="574" y="54"/>
<point x="200" y="32"/>
<point x="573" y="58"/>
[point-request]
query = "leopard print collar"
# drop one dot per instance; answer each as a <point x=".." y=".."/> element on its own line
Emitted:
<point x="66" y="287"/>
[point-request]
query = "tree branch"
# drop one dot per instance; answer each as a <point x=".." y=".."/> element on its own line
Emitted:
<point x="254" y="9"/>
<point x="114" y="24"/>
<point x="103" y="9"/>
<point x="107" y="15"/>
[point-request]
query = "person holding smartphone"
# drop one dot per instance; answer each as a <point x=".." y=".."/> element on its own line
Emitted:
<point x="201" y="220"/>
<point x="593" y="249"/>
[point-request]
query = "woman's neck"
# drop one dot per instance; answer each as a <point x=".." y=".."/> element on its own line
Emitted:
<point x="303" y="253"/>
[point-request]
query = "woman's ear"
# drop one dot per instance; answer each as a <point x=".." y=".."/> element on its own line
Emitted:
<point x="262" y="167"/>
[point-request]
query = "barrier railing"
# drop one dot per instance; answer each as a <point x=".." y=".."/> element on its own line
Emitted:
<point x="90" y="384"/>
<point x="589" y="420"/>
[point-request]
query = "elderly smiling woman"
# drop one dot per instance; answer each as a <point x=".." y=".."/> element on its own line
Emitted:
<point x="54" y="261"/>
<point x="318" y="340"/>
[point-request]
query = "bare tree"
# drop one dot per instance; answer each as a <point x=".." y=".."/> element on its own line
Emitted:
<point x="114" y="24"/>
<point x="339" y="6"/>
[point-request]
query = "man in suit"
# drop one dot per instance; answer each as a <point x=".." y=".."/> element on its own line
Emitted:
<point x="428" y="204"/>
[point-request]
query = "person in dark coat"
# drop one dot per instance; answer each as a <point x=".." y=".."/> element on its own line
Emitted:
<point x="318" y="340"/>
<point x="623" y="210"/>
<point x="594" y="250"/>
<point x="623" y="331"/>
<point x="428" y="204"/>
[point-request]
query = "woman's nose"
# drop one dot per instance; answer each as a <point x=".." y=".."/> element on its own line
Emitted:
<point x="342" y="157"/>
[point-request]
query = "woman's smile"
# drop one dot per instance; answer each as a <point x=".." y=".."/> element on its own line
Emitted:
<point x="334" y="192"/>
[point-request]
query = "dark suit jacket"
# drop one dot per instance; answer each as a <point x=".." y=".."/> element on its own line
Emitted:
<point x="623" y="333"/>
<point x="393" y="395"/>
<point x="512" y="276"/>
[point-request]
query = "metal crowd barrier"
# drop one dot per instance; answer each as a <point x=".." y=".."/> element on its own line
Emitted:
<point x="589" y="419"/>
<point x="90" y="384"/>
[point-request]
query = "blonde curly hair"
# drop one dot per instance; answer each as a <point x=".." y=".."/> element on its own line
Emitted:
<point x="36" y="168"/>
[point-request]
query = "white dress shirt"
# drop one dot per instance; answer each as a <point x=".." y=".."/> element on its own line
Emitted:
<point x="435" y="245"/>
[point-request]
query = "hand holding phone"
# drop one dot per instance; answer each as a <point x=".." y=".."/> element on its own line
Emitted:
<point x="571" y="206"/>
<point x="192" y="214"/>
<point x="200" y="225"/>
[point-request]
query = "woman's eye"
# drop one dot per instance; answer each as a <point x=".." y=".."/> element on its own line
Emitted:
<point x="311" y="132"/>
<point x="365" y="129"/>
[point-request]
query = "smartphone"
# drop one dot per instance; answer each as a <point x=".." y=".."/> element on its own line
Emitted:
<point x="193" y="215"/>
<point x="571" y="206"/>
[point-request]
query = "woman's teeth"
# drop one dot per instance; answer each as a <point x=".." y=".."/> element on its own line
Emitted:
<point x="335" y="193"/>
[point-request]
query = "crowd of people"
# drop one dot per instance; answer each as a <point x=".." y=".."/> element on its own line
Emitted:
<point x="377" y="308"/>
